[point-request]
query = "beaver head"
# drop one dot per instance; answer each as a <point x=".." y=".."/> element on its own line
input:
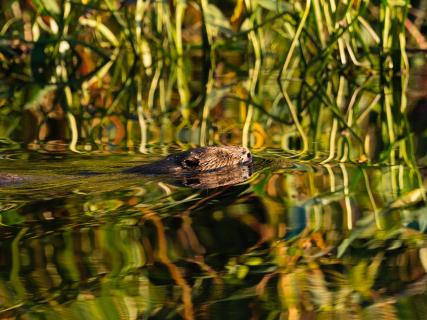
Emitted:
<point x="212" y="158"/>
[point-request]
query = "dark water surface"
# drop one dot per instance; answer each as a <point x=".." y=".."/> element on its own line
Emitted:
<point x="291" y="239"/>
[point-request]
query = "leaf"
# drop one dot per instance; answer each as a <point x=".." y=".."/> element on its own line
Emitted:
<point x="51" y="6"/>
<point x="216" y="21"/>
<point x="47" y="7"/>
<point x="422" y="219"/>
<point x="423" y="258"/>
<point x="355" y="233"/>
<point x="216" y="95"/>
<point x="37" y="96"/>
<point x="246" y="25"/>
<point x="254" y="261"/>
<point x="242" y="271"/>
<point x="274" y="5"/>
<point x="102" y="28"/>
<point x="409" y="198"/>
<point x="416" y="219"/>
<point x="12" y="218"/>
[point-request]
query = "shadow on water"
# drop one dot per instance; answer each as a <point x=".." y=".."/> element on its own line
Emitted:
<point x="293" y="238"/>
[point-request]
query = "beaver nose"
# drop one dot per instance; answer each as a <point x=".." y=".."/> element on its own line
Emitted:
<point x="247" y="157"/>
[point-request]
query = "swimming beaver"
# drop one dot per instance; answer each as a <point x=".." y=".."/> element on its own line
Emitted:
<point x="200" y="168"/>
<point x="197" y="160"/>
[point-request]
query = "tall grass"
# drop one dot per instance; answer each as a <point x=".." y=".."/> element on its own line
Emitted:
<point x="325" y="79"/>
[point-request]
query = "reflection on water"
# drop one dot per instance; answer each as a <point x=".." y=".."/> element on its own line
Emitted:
<point x="292" y="239"/>
<point x="219" y="178"/>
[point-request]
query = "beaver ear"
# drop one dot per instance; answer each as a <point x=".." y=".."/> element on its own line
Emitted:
<point x="191" y="163"/>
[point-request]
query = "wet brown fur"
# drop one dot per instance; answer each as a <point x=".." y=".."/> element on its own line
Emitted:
<point x="202" y="159"/>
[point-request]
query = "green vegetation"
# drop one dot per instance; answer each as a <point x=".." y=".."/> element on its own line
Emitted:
<point x="336" y="227"/>
<point x="320" y="75"/>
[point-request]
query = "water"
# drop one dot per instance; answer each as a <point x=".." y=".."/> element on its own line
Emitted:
<point x="296" y="238"/>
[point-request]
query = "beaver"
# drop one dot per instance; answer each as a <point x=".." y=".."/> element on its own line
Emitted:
<point x="197" y="160"/>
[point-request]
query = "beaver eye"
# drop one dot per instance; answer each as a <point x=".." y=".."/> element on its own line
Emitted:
<point x="191" y="163"/>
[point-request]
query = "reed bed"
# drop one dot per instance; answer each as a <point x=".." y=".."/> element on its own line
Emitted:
<point x="325" y="79"/>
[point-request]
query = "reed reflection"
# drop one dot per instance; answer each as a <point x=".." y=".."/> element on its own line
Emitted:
<point x="296" y="240"/>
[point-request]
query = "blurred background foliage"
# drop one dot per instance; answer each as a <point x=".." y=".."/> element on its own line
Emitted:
<point x="326" y="79"/>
